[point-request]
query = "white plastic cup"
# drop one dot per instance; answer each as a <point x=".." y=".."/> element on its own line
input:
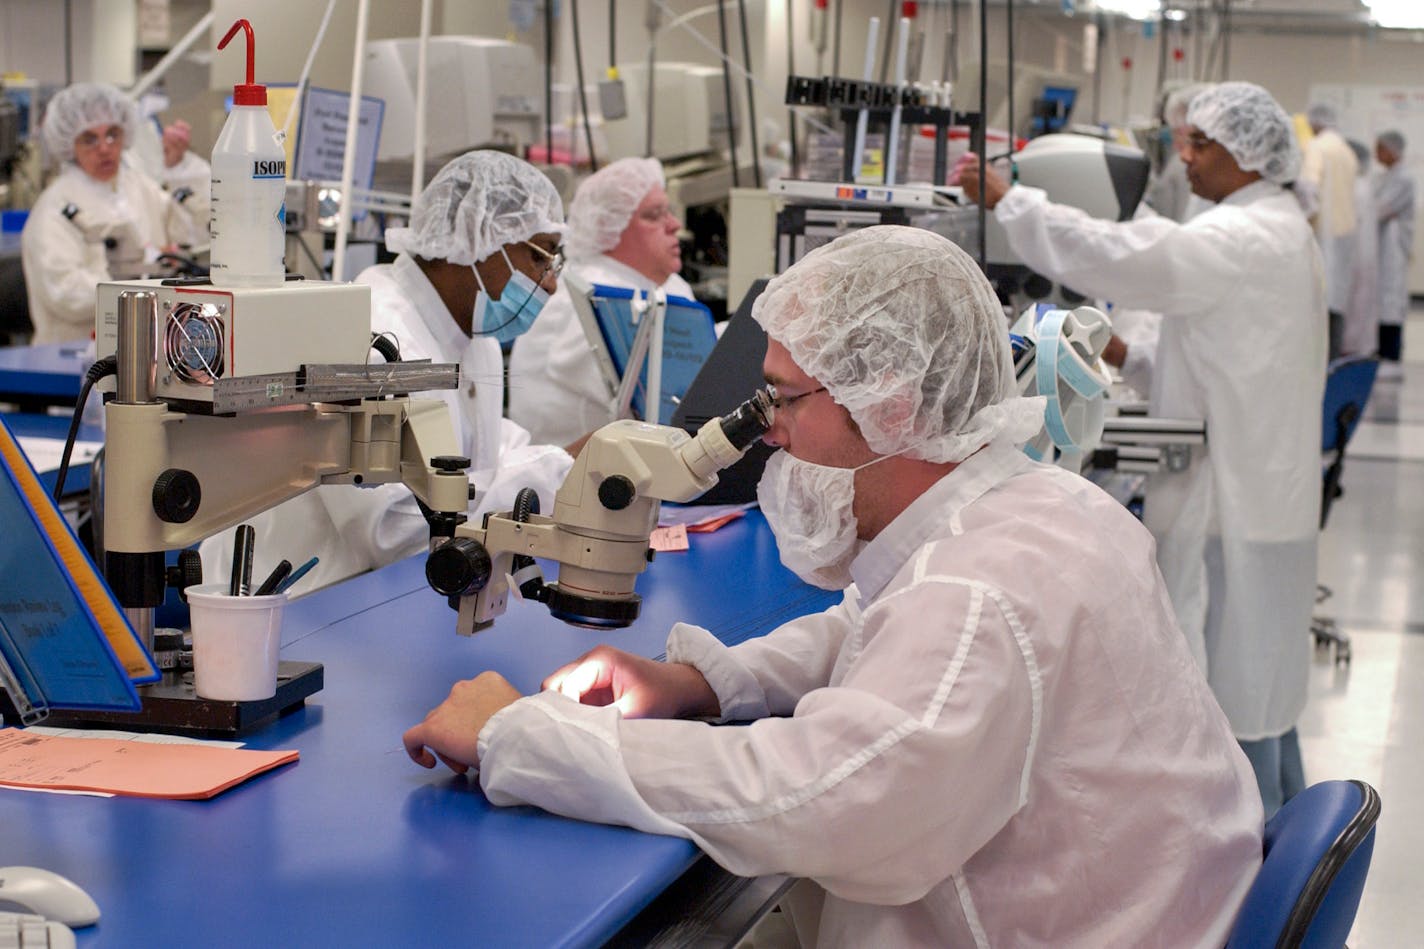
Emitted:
<point x="235" y="643"/>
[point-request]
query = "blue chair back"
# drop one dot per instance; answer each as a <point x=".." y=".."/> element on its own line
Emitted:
<point x="1317" y="853"/>
<point x="1347" y="388"/>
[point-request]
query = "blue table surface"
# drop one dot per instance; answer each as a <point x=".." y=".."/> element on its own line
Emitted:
<point x="356" y="845"/>
<point x="52" y="369"/>
<point x="29" y="425"/>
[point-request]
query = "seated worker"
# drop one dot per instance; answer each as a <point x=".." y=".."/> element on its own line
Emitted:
<point x="997" y="737"/>
<point x="479" y="256"/>
<point x="100" y="219"/>
<point x="621" y="234"/>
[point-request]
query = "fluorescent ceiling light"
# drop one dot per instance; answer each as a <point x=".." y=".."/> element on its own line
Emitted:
<point x="1137" y="9"/>
<point x="1397" y="14"/>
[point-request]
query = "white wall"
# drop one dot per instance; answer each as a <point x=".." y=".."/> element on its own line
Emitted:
<point x="103" y="34"/>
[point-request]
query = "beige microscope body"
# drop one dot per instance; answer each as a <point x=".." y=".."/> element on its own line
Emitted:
<point x="230" y="401"/>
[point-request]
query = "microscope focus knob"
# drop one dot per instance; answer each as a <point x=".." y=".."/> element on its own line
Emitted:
<point x="450" y="463"/>
<point x="616" y="492"/>
<point x="187" y="572"/>
<point x="458" y="566"/>
<point x="176" y="496"/>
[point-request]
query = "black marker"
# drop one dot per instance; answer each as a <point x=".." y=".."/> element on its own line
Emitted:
<point x="278" y="574"/>
<point x="241" y="581"/>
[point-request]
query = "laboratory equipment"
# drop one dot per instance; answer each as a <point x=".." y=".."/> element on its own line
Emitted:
<point x="1103" y="179"/>
<point x="604" y="513"/>
<point x="27" y="931"/>
<point x="45" y="892"/>
<point x="1057" y="356"/>
<point x="487" y="90"/>
<point x="690" y="113"/>
<point x="230" y="401"/>
<point x="249" y="187"/>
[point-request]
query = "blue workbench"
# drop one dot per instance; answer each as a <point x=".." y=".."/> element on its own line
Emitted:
<point x="37" y="376"/>
<point x="354" y="844"/>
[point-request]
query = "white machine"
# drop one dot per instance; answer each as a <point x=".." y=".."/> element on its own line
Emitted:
<point x="1057" y="354"/>
<point x="603" y="515"/>
<point x="689" y="113"/>
<point x="480" y="92"/>
<point x="230" y="401"/>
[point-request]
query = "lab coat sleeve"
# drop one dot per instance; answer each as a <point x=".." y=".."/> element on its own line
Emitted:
<point x="62" y="269"/>
<point x="521" y="465"/>
<point x="1150" y="263"/>
<point x="878" y="788"/>
<point x="768" y="675"/>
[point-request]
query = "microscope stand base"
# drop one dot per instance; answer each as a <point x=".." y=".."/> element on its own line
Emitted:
<point x="173" y="707"/>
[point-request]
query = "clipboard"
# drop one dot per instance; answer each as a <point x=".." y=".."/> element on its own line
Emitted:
<point x="64" y="641"/>
<point x="643" y="344"/>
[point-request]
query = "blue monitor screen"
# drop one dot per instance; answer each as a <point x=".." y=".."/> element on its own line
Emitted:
<point x="1052" y="109"/>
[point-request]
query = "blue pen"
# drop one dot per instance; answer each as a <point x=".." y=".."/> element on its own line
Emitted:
<point x="296" y="575"/>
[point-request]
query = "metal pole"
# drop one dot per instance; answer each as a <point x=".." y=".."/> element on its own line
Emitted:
<point x="726" y="91"/>
<point x="348" y="158"/>
<point x="751" y="99"/>
<point x="983" y="130"/>
<point x="422" y="69"/>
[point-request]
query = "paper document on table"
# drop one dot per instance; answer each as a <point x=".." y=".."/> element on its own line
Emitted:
<point x="701" y="516"/>
<point x="668" y="539"/>
<point x="132" y="768"/>
<point x="46" y="453"/>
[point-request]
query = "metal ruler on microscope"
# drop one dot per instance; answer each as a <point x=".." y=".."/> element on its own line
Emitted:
<point x="330" y="383"/>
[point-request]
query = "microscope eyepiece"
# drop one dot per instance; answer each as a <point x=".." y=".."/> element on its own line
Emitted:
<point x="750" y="420"/>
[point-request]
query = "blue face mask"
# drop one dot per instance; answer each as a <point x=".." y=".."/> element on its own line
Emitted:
<point x="514" y="312"/>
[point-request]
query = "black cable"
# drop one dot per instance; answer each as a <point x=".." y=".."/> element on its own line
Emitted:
<point x="612" y="34"/>
<point x="751" y="98"/>
<point x="836" y="48"/>
<point x="68" y="43"/>
<point x="548" y="82"/>
<point x="791" y="71"/>
<point x="726" y="89"/>
<point x="891" y="22"/>
<point x="101" y="368"/>
<point x="983" y="130"/>
<point x="386" y="346"/>
<point x="652" y="84"/>
<point x="1009" y="12"/>
<point x="583" y="93"/>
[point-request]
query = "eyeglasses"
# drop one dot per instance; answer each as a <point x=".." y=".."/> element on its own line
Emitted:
<point x="783" y="402"/>
<point x="553" y="262"/>
<point x="1197" y="142"/>
<point x="657" y="215"/>
<point x="113" y="135"/>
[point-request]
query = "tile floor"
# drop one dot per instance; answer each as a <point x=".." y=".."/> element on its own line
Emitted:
<point x="1364" y="719"/>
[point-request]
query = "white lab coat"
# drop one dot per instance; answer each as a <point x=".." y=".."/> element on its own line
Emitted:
<point x="555" y="388"/>
<point x="64" y="259"/>
<point x="1394" y="205"/>
<point x="1243" y="346"/>
<point x="997" y="738"/>
<point x="1330" y="166"/>
<point x="1361" y="335"/>
<point x="357" y="529"/>
<point x="195" y="174"/>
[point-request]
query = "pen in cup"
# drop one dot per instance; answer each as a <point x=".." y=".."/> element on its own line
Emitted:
<point x="278" y="574"/>
<point x="240" y="584"/>
<point x="296" y="575"/>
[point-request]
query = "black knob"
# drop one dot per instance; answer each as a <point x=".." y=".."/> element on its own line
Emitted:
<point x="616" y="492"/>
<point x="458" y="566"/>
<point x="176" y="496"/>
<point x="449" y="462"/>
<point x="187" y="572"/>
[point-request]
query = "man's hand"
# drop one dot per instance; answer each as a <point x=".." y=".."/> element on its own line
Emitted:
<point x="452" y="729"/>
<point x="638" y="687"/>
<point x="1115" y="352"/>
<point x="966" y="174"/>
<point x="175" y="142"/>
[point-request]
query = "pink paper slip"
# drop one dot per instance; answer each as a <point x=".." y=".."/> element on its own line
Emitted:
<point x="137" y="769"/>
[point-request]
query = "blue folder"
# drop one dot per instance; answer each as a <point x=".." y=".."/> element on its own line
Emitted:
<point x="688" y="338"/>
<point x="64" y="640"/>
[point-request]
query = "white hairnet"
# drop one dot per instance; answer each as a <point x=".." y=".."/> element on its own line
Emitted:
<point x="83" y="106"/>
<point x="605" y="202"/>
<point x="1252" y="126"/>
<point x="475" y="205"/>
<point x="903" y="330"/>
<point x="1322" y="115"/>
<point x="1174" y="110"/>
<point x="1392" y="140"/>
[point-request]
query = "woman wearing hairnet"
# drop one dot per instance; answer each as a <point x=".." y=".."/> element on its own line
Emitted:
<point x="998" y="737"/>
<point x="1241" y="289"/>
<point x="100" y="219"/>
<point x="475" y="266"/>
<point x="621" y="234"/>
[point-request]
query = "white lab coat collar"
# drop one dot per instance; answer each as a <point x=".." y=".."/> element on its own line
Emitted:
<point x="1253" y="192"/>
<point x="625" y="275"/>
<point x="426" y="302"/>
<point x="877" y="564"/>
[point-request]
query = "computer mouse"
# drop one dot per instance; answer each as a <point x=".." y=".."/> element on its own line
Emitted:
<point x="48" y="894"/>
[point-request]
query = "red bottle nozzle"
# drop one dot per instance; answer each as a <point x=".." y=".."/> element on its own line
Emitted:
<point x="248" y="93"/>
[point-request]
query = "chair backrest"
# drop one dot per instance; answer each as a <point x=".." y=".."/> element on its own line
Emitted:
<point x="1317" y="853"/>
<point x="1347" y="389"/>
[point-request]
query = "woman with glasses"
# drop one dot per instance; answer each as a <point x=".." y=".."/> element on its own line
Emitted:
<point x="621" y="234"/>
<point x="478" y="259"/>
<point x="100" y="219"/>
